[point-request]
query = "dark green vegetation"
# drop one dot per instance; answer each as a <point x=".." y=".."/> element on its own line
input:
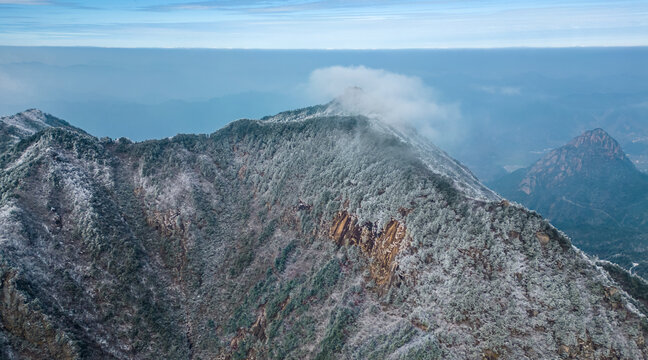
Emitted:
<point x="633" y="284"/>
<point x="220" y="246"/>
<point x="590" y="190"/>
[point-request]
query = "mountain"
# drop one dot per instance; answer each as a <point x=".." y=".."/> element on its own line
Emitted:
<point x="312" y="234"/>
<point x="592" y="191"/>
<point x="17" y="127"/>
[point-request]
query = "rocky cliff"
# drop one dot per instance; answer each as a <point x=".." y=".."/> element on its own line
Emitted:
<point x="310" y="235"/>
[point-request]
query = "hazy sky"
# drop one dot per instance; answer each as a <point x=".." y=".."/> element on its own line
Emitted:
<point x="324" y="24"/>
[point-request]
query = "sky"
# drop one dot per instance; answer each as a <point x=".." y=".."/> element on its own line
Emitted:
<point x="324" y="24"/>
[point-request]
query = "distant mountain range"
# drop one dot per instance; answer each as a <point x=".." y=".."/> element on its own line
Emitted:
<point x="311" y="234"/>
<point x="592" y="191"/>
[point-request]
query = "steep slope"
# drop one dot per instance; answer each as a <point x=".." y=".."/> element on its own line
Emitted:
<point x="593" y="192"/>
<point x="323" y="237"/>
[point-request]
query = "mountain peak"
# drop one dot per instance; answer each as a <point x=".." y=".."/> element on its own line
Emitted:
<point x="592" y="148"/>
<point x="24" y="124"/>
<point x="335" y="107"/>
<point x="33" y="113"/>
<point x="29" y="122"/>
<point x="437" y="160"/>
<point x="591" y="155"/>
<point x="593" y="192"/>
<point x="599" y="141"/>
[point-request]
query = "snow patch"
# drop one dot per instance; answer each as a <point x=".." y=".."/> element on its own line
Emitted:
<point x="28" y="122"/>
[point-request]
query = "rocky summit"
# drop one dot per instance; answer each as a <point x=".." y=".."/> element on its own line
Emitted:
<point x="594" y="153"/>
<point x="312" y="234"/>
<point x="592" y="191"/>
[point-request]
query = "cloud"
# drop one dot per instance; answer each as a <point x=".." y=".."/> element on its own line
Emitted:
<point x="501" y="90"/>
<point x="398" y="100"/>
<point x="24" y="2"/>
<point x="57" y="3"/>
<point x="267" y="6"/>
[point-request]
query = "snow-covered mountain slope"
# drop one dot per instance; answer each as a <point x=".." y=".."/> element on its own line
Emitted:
<point x="325" y="238"/>
<point x="19" y="126"/>
<point x="437" y="160"/>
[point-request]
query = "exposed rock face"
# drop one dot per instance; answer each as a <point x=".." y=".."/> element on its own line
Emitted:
<point x="306" y="235"/>
<point x="381" y="247"/>
<point x="24" y="321"/>
<point x="592" y="191"/>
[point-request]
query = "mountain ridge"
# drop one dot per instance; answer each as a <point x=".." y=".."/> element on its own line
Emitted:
<point x="438" y="160"/>
<point x="325" y="238"/>
<point x="13" y="128"/>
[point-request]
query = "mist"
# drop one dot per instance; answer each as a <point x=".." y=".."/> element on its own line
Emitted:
<point x="494" y="110"/>
<point x="396" y="99"/>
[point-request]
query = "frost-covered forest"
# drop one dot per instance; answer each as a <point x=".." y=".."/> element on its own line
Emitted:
<point x="306" y="235"/>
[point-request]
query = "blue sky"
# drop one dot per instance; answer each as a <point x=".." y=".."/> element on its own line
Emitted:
<point x="324" y="24"/>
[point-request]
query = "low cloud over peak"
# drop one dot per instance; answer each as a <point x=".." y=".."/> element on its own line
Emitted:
<point x="396" y="99"/>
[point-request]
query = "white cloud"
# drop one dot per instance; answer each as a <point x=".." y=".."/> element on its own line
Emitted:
<point x="24" y="2"/>
<point x="397" y="99"/>
<point x="501" y="90"/>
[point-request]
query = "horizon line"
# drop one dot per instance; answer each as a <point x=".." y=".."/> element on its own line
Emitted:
<point x="330" y="49"/>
